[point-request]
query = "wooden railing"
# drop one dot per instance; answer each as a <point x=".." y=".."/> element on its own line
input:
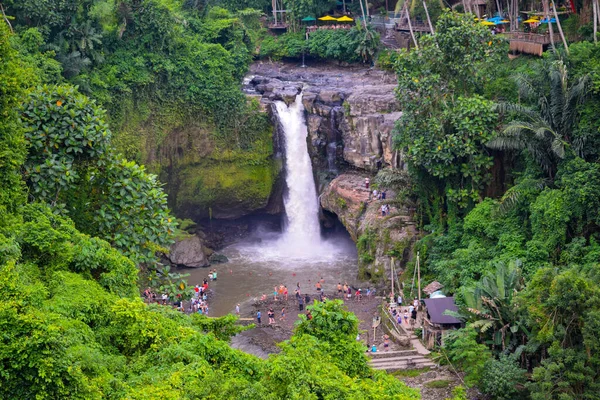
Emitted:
<point x="531" y="37"/>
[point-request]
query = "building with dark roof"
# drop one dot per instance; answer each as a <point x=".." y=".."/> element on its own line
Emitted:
<point x="436" y="322"/>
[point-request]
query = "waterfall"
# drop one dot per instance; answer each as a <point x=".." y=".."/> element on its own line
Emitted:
<point x="302" y="230"/>
<point x="300" y="243"/>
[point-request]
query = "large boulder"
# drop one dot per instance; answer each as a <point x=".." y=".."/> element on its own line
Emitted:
<point x="189" y="252"/>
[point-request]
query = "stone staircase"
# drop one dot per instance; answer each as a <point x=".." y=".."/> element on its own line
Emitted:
<point x="391" y="361"/>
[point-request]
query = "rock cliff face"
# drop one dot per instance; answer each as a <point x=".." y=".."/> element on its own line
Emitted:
<point x="350" y="111"/>
<point x="380" y="239"/>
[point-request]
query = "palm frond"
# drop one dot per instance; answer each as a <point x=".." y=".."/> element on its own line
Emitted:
<point x="506" y="143"/>
<point x="558" y="148"/>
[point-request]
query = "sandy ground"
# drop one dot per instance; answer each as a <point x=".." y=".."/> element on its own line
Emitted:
<point x="262" y="340"/>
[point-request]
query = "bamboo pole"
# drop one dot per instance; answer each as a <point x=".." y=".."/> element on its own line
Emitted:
<point x="428" y="19"/>
<point x="560" y="31"/>
<point x="412" y="33"/>
<point x="363" y="13"/>
<point x="392" y="271"/>
<point x="419" y="276"/>
<point x="595" y="11"/>
<point x="550" y="29"/>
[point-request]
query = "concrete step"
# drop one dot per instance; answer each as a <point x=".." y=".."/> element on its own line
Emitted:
<point x="391" y="367"/>
<point x="395" y="353"/>
<point x="397" y="359"/>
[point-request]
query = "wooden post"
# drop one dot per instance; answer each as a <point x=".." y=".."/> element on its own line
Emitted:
<point x="274" y="5"/>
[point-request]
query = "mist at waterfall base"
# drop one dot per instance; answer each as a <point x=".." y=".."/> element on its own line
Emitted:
<point x="296" y="254"/>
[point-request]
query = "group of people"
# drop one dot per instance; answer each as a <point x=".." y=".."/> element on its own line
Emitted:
<point x="409" y="314"/>
<point x="199" y="302"/>
<point x="345" y="291"/>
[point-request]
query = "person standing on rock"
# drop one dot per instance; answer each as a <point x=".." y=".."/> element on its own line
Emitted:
<point x="258" y="315"/>
<point x="271" y="315"/>
<point x="319" y="287"/>
<point x="300" y="303"/>
<point x="339" y="288"/>
<point x="237" y="310"/>
<point x="214" y="274"/>
<point x="285" y="292"/>
<point x="367" y="182"/>
<point x="283" y="314"/>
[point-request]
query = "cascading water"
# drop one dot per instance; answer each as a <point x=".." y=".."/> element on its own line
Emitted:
<point x="302" y="231"/>
<point x="300" y="244"/>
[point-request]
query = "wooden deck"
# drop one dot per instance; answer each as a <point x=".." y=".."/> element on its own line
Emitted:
<point x="278" y="26"/>
<point x="530" y="43"/>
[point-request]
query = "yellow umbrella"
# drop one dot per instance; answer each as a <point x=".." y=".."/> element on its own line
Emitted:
<point x="504" y="21"/>
<point x="344" y="19"/>
<point x="531" y="21"/>
<point x="327" y="18"/>
<point x="487" y="23"/>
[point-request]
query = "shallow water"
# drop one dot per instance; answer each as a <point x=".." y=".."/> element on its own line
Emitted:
<point x="265" y="260"/>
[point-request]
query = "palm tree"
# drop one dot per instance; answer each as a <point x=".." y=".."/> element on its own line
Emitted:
<point x="489" y="307"/>
<point x="545" y="129"/>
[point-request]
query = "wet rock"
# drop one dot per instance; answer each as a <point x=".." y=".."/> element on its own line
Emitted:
<point x="217" y="258"/>
<point x="188" y="252"/>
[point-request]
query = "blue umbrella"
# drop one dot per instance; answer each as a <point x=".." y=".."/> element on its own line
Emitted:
<point x="545" y="21"/>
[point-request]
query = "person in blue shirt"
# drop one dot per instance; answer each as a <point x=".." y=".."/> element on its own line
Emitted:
<point x="258" y="315"/>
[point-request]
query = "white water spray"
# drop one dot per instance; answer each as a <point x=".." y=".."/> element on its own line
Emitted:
<point x="302" y="231"/>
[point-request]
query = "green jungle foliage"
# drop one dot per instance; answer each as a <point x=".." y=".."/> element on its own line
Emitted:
<point x="76" y="222"/>
<point x="354" y="45"/>
<point x="503" y="159"/>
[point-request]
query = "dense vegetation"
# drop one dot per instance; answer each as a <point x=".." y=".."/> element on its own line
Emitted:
<point x="78" y="221"/>
<point x="81" y="225"/>
<point x="503" y="157"/>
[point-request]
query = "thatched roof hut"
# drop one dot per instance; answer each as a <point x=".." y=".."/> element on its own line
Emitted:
<point x="432" y="287"/>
